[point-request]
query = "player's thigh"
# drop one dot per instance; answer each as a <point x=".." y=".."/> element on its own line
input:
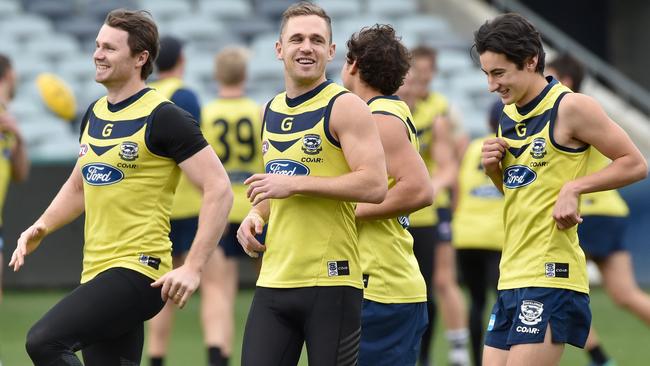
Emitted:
<point x="618" y="274"/>
<point x="493" y="356"/>
<point x="333" y="327"/>
<point x="271" y="337"/>
<point x="445" y="264"/>
<point x="546" y="353"/>
<point x="111" y="304"/>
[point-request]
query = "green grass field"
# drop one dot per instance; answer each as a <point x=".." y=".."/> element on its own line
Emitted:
<point x="624" y="337"/>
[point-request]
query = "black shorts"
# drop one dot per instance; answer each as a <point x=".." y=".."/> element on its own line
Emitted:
<point x="443" y="226"/>
<point x="104" y="318"/>
<point x="602" y="236"/>
<point x="230" y="244"/>
<point x="182" y="234"/>
<point x="280" y="321"/>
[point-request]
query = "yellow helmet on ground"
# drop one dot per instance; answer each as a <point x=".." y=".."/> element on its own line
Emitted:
<point x="57" y="95"/>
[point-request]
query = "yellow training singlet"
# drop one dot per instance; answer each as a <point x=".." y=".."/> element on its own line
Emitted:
<point x="424" y="113"/>
<point x="605" y="203"/>
<point x="233" y="127"/>
<point x="128" y="191"/>
<point x="478" y="219"/>
<point x="536" y="253"/>
<point x="7" y="144"/>
<point x="390" y="271"/>
<point x="187" y="200"/>
<point x="311" y="241"/>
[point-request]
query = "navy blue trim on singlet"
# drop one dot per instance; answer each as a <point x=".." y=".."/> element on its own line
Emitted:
<point x="326" y="120"/>
<point x="126" y="102"/>
<point x="533" y="103"/>
<point x="407" y="123"/>
<point x="300" y="122"/>
<point x="552" y="127"/>
<point x="119" y="129"/>
<point x="267" y="108"/>
<point x="391" y="97"/>
<point x="534" y="125"/>
<point x="294" y="102"/>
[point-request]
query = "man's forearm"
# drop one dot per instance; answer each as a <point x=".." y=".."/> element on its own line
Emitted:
<point x="213" y="217"/>
<point x="357" y="186"/>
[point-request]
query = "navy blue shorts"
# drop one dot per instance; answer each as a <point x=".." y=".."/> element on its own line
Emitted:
<point x="520" y="316"/>
<point x="443" y="226"/>
<point x="391" y="333"/>
<point x="230" y="244"/>
<point x="600" y="236"/>
<point x="182" y="234"/>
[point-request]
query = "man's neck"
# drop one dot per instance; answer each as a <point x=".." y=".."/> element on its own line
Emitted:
<point x="119" y="93"/>
<point x="365" y="92"/>
<point x="176" y="72"/>
<point x="295" y="89"/>
<point x="536" y="86"/>
<point x="231" y="91"/>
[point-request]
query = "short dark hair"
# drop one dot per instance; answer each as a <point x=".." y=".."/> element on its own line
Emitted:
<point x="304" y="8"/>
<point x="567" y="66"/>
<point x="426" y="52"/>
<point x="382" y="59"/>
<point x="513" y="36"/>
<point x="143" y="34"/>
<point x="5" y="65"/>
<point x="169" y="53"/>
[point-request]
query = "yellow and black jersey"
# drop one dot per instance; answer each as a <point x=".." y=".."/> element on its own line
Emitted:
<point x="7" y="144"/>
<point x="311" y="241"/>
<point x="605" y="203"/>
<point x="390" y="271"/>
<point x="424" y="114"/>
<point x="478" y="218"/>
<point x="128" y="161"/>
<point x="187" y="200"/>
<point x="233" y="127"/>
<point x="535" y="252"/>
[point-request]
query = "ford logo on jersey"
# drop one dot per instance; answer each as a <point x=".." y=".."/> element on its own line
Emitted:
<point x="286" y="167"/>
<point x="518" y="176"/>
<point x="100" y="174"/>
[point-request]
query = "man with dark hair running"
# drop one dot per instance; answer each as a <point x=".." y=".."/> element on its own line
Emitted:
<point x="539" y="160"/>
<point x="134" y="143"/>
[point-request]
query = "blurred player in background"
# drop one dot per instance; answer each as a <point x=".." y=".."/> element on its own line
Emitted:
<point x="478" y="231"/>
<point x="133" y="142"/>
<point x="184" y="218"/>
<point x="602" y="230"/>
<point x="232" y="125"/>
<point x="14" y="162"/>
<point x="431" y="227"/>
<point x="394" y="308"/>
<point x="322" y="153"/>
<point x="539" y="160"/>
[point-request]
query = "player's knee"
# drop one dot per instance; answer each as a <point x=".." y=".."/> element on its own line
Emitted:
<point x="623" y="299"/>
<point x="37" y="343"/>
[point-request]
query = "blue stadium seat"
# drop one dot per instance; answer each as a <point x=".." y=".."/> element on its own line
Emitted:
<point x="53" y="10"/>
<point x="341" y="8"/>
<point x="9" y="9"/>
<point x="392" y="8"/>
<point x="168" y="9"/>
<point x="226" y="9"/>
<point x="25" y="26"/>
<point x="197" y="28"/>
<point x="54" y="46"/>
